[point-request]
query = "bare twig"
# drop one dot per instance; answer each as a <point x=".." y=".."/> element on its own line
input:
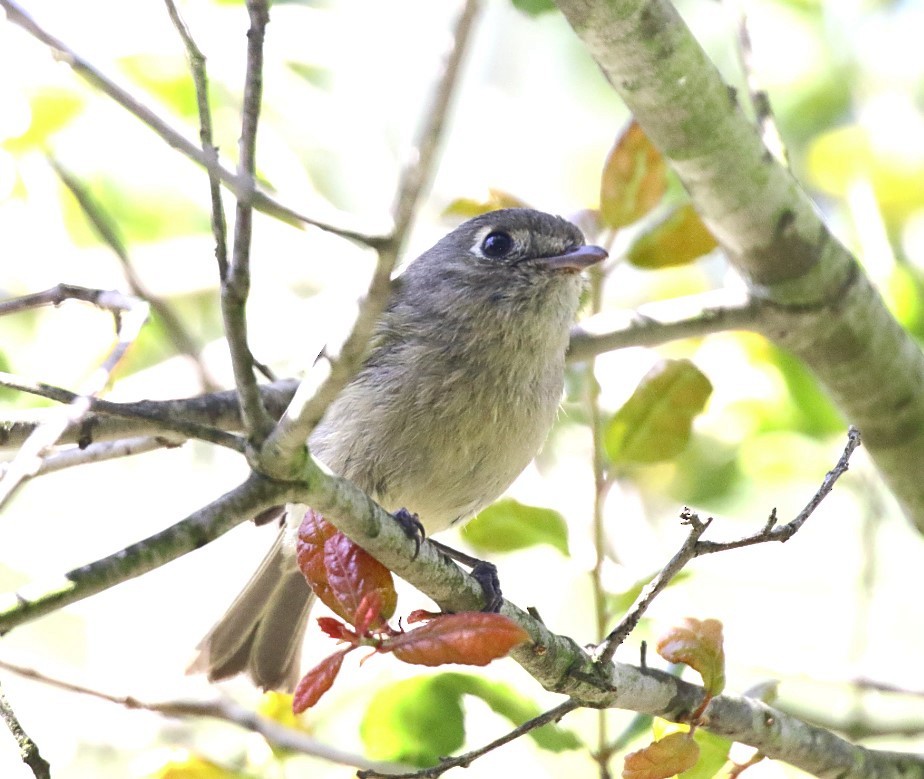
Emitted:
<point x="156" y="417"/>
<point x="130" y="315"/>
<point x="100" y="452"/>
<point x="109" y="234"/>
<point x="200" y="81"/>
<point x="28" y="750"/>
<point x="694" y="547"/>
<point x="331" y="373"/>
<point x="241" y="188"/>
<point x="235" y="283"/>
<point x="221" y="709"/>
<point x="464" y="761"/>
<point x="665" y="320"/>
<point x="760" y="100"/>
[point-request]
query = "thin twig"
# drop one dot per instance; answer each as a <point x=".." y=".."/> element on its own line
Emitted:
<point x="130" y="314"/>
<point x="158" y="417"/>
<point x="235" y="283"/>
<point x="464" y="761"/>
<point x="665" y="320"/>
<point x="241" y="188"/>
<point x="760" y="100"/>
<point x="106" y="229"/>
<point x="332" y="372"/>
<point x="200" y="80"/>
<point x="693" y="547"/>
<point x="28" y="750"/>
<point x="221" y="709"/>
<point x="100" y="452"/>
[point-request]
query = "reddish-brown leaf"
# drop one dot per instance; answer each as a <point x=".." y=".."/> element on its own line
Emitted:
<point x="634" y="179"/>
<point x="336" y="629"/>
<point x="677" y="239"/>
<point x="352" y="573"/>
<point x="314" y="529"/>
<point x="699" y="645"/>
<point x="312" y="534"/>
<point x="470" y="637"/>
<point x="369" y="613"/>
<point x="672" y="755"/>
<point x="317" y="682"/>
<point x="421" y="615"/>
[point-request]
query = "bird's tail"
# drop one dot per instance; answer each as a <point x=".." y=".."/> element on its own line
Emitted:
<point x="261" y="633"/>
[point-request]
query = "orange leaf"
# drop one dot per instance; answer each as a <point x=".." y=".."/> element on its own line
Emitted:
<point x="336" y="629"/>
<point x="352" y="573"/>
<point x="678" y="239"/>
<point x="317" y="682"/>
<point x="697" y="644"/>
<point x="469" y="637"/>
<point x="672" y="755"/>
<point x="634" y="179"/>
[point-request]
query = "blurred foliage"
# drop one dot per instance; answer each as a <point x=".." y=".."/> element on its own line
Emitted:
<point x="508" y="525"/>
<point x="419" y="720"/>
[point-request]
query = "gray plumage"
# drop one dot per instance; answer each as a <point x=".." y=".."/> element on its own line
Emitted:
<point x="460" y="387"/>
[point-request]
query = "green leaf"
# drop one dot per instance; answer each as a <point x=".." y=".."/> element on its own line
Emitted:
<point x="420" y="720"/>
<point x="655" y="423"/>
<point x="534" y="7"/>
<point x="677" y="239"/>
<point x="618" y="603"/>
<point x="508" y="525"/>
<point x="316" y="75"/>
<point x="713" y="755"/>
<point x="52" y="109"/>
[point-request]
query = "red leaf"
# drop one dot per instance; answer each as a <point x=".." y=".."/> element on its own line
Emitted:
<point x="340" y="572"/>
<point x="336" y="629"/>
<point x="352" y="574"/>
<point x="421" y="615"/>
<point x="471" y="637"/>
<point x="369" y="613"/>
<point x="317" y="682"/>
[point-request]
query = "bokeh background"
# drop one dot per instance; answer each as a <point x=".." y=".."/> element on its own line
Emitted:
<point x="345" y="84"/>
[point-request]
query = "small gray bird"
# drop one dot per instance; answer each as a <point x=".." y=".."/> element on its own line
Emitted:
<point x="461" y="385"/>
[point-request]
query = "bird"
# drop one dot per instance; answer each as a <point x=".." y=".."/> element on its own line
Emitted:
<point x="462" y="381"/>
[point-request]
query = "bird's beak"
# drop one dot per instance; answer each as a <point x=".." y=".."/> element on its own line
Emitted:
<point x="575" y="260"/>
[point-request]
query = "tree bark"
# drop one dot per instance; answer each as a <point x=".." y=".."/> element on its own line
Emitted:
<point x="819" y="303"/>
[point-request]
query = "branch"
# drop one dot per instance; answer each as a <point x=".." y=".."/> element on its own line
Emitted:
<point x="27" y="747"/>
<point x="130" y="315"/>
<point x="199" y="528"/>
<point x="100" y="452"/>
<point x="693" y="547"/>
<point x="241" y="188"/>
<point x="148" y="416"/>
<point x="464" y="761"/>
<point x="653" y="324"/>
<point x="276" y="735"/>
<point x="818" y="303"/>
<point x="235" y="281"/>
<point x="196" y="61"/>
<point x="332" y="372"/>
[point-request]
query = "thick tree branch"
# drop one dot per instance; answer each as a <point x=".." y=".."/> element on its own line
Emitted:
<point x="819" y="303"/>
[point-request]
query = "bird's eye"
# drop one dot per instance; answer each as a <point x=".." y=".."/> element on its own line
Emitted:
<point x="497" y="244"/>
